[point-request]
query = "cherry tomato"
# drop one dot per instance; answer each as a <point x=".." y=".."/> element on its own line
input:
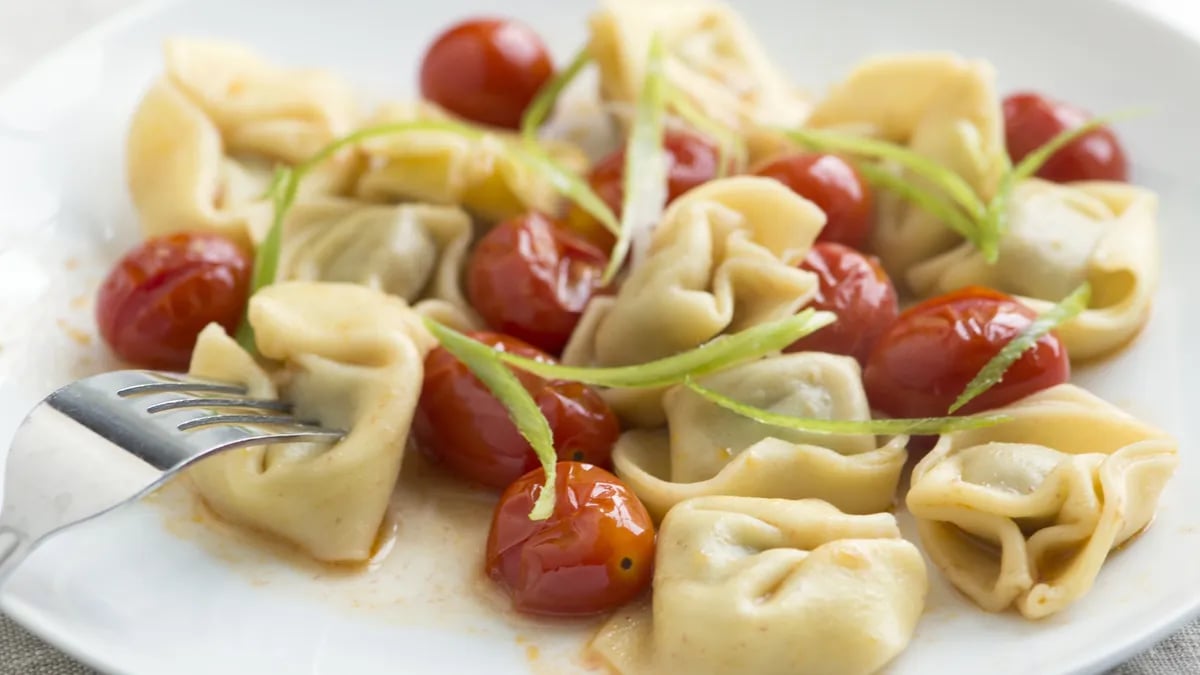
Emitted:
<point x="531" y="277"/>
<point x="855" y="287"/>
<point x="486" y="70"/>
<point x="691" y="160"/>
<point x="1032" y="120"/>
<point x="925" y="360"/>
<point x="460" y="424"/>
<point x="158" y="298"/>
<point x="593" y="554"/>
<point x="835" y="186"/>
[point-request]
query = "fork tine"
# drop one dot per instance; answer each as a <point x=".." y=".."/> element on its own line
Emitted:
<point x="161" y="387"/>
<point x="315" y="435"/>
<point x="255" y="403"/>
<point x="270" y="420"/>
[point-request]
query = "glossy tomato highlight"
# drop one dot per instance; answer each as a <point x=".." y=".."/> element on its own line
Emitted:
<point x="531" y="277"/>
<point x="593" y="554"/>
<point x="157" y="299"/>
<point x="486" y="70"/>
<point x="459" y="424"/>
<point x="855" y="288"/>
<point x="925" y="360"/>
<point x="1031" y="120"/>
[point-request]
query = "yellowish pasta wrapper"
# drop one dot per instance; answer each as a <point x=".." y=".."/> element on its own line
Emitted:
<point x="1024" y="513"/>
<point x="706" y="450"/>
<point x="771" y="587"/>
<point x="352" y="358"/>
<point x="1059" y="236"/>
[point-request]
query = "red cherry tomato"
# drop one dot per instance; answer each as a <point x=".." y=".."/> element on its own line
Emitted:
<point x="925" y="360"/>
<point x="855" y="287"/>
<point x="691" y="160"/>
<point x="460" y="424"/>
<point x="835" y="186"/>
<point x="158" y="298"/>
<point x="593" y="554"/>
<point x="531" y="277"/>
<point x="1032" y="120"/>
<point x="486" y="70"/>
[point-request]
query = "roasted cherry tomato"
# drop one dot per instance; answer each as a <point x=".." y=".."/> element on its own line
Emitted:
<point x="531" y="277"/>
<point x="925" y="360"/>
<point x="486" y="70"/>
<point x="593" y="554"/>
<point x="855" y="287"/>
<point x="158" y="298"/>
<point x="461" y="425"/>
<point x="1032" y="120"/>
<point x="691" y="160"/>
<point x="835" y="186"/>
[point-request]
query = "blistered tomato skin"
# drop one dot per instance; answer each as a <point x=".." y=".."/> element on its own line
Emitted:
<point x="835" y="186"/>
<point x="157" y="299"/>
<point x="855" y="288"/>
<point x="592" y="555"/>
<point x="531" y="277"/>
<point x="1032" y="120"/>
<point x="459" y="424"/>
<point x="925" y="360"/>
<point x="692" y="160"/>
<point x="486" y="70"/>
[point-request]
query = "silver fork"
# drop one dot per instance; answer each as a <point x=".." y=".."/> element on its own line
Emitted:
<point x="112" y="438"/>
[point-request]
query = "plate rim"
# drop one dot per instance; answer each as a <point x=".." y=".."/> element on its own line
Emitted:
<point x="39" y="625"/>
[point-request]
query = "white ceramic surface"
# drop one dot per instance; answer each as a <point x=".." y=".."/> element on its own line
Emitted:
<point x="158" y="588"/>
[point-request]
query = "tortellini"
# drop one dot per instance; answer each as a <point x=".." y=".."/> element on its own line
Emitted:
<point x="415" y="251"/>
<point x="707" y="450"/>
<point x="203" y="141"/>
<point x="351" y="357"/>
<point x="939" y="105"/>
<point x="1025" y="513"/>
<point x="771" y="586"/>
<point x="1060" y="236"/>
<point x="442" y="167"/>
<point x="712" y="57"/>
<point x="723" y="258"/>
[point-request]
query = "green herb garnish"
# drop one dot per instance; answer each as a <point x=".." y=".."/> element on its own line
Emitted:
<point x="996" y="220"/>
<point x="922" y="425"/>
<point x="645" y="179"/>
<point x="993" y="371"/>
<point x="952" y="201"/>
<point x="729" y="142"/>
<point x="539" y="108"/>
<point x="952" y="184"/>
<point x="286" y="185"/>
<point x="717" y="354"/>
<point x="484" y="363"/>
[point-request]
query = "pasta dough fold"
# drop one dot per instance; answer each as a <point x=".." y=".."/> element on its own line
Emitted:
<point x="723" y="258"/>
<point x="351" y="358"/>
<point x="771" y="586"/>
<point x="1060" y="236"/>
<point x="940" y="106"/>
<point x="414" y="251"/>
<point x="204" y="140"/>
<point x="707" y="450"/>
<point x="712" y="58"/>
<point x="442" y="167"/>
<point x="1025" y="513"/>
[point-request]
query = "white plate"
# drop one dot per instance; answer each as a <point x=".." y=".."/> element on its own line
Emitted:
<point x="157" y="588"/>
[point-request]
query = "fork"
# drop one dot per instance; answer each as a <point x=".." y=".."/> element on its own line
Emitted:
<point x="112" y="438"/>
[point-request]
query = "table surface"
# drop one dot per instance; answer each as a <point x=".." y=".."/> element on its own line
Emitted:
<point x="29" y="30"/>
